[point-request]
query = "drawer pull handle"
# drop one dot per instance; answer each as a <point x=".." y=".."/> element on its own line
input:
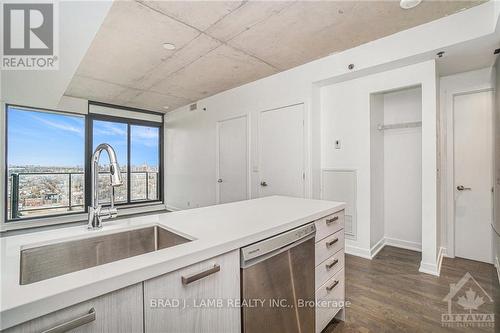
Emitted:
<point x="333" y="219"/>
<point x="195" y="277"/>
<point x="333" y="285"/>
<point x="331" y="264"/>
<point x="333" y="241"/>
<point x="74" y="323"/>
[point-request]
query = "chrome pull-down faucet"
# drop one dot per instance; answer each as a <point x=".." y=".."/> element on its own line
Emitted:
<point x="96" y="212"/>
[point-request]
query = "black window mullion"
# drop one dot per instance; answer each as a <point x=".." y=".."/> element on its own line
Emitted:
<point x="129" y="176"/>
<point x="89" y="149"/>
<point x="159" y="183"/>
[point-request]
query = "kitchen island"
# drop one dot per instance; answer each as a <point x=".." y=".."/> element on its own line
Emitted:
<point x="214" y="231"/>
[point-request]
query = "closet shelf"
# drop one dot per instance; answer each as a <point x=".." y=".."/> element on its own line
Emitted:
<point x="400" y="125"/>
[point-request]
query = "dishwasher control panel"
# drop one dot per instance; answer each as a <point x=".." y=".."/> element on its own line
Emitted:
<point x="277" y="243"/>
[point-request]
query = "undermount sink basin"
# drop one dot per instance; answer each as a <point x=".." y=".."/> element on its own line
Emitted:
<point x="47" y="261"/>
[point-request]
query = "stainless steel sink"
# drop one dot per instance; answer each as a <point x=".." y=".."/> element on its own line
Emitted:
<point x="47" y="261"/>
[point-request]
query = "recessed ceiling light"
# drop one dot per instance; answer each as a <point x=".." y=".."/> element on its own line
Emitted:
<point x="408" y="4"/>
<point x="166" y="107"/>
<point x="168" y="46"/>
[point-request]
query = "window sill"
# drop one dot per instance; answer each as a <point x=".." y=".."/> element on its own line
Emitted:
<point x="46" y="223"/>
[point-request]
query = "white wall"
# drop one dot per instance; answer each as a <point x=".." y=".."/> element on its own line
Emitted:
<point x="449" y="86"/>
<point x="377" y="174"/>
<point x="301" y="85"/>
<point x="346" y="116"/>
<point x="396" y="171"/>
<point x="191" y="176"/>
<point x="403" y="169"/>
<point x="191" y="139"/>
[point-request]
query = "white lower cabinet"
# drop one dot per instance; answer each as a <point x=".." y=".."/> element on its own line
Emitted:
<point x="118" y="311"/>
<point x="329" y="300"/>
<point x="195" y="298"/>
<point x="329" y="272"/>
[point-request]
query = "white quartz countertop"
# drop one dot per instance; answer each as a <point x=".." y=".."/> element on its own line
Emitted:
<point x="215" y="230"/>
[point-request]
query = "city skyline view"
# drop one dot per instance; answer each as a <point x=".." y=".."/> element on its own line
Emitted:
<point x="47" y="139"/>
<point x="46" y="163"/>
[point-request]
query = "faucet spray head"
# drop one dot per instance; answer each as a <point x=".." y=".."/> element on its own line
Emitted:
<point x="116" y="175"/>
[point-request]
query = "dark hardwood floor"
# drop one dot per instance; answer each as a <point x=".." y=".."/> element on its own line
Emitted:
<point x="388" y="294"/>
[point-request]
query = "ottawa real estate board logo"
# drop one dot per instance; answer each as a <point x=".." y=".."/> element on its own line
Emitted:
<point x="30" y="36"/>
<point x="469" y="305"/>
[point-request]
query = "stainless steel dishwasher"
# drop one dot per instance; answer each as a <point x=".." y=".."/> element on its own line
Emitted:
<point x="277" y="283"/>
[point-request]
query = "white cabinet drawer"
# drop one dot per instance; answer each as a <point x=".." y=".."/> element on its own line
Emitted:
<point x="327" y="247"/>
<point x="329" y="224"/>
<point x="118" y="311"/>
<point x="210" y="280"/>
<point x="329" y="267"/>
<point x="329" y="298"/>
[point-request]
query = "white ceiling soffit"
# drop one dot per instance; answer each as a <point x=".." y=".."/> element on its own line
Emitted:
<point x="224" y="44"/>
<point x="79" y="22"/>
<point x="473" y="55"/>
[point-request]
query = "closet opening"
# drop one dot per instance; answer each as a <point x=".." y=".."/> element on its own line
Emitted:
<point x="396" y="169"/>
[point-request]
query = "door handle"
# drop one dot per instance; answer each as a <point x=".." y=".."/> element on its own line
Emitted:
<point x="462" y="188"/>
<point x="264" y="184"/>
<point x="219" y="180"/>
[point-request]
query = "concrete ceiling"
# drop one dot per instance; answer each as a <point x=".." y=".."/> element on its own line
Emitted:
<point x="224" y="44"/>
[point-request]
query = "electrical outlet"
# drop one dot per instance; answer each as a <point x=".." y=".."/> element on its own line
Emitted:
<point x="337" y="144"/>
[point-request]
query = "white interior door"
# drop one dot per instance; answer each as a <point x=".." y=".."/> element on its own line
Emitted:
<point x="282" y="151"/>
<point x="473" y="175"/>
<point x="232" y="160"/>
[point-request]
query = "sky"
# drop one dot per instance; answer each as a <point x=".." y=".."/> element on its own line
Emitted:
<point x="49" y="139"/>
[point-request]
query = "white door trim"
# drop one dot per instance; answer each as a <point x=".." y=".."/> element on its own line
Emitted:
<point x="217" y="154"/>
<point x="304" y="146"/>
<point x="450" y="167"/>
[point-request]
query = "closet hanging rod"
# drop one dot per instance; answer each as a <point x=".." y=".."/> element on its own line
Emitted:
<point x="401" y="125"/>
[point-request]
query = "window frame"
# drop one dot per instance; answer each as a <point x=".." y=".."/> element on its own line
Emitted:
<point x="79" y="216"/>
<point x="130" y="122"/>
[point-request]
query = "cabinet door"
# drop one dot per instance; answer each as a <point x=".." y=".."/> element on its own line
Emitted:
<point x="118" y="311"/>
<point x="196" y="298"/>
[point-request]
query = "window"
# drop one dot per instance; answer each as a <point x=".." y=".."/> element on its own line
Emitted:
<point x="137" y="146"/>
<point x="114" y="134"/>
<point x="144" y="162"/>
<point x="48" y="160"/>
<point x="45" y="163"/>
